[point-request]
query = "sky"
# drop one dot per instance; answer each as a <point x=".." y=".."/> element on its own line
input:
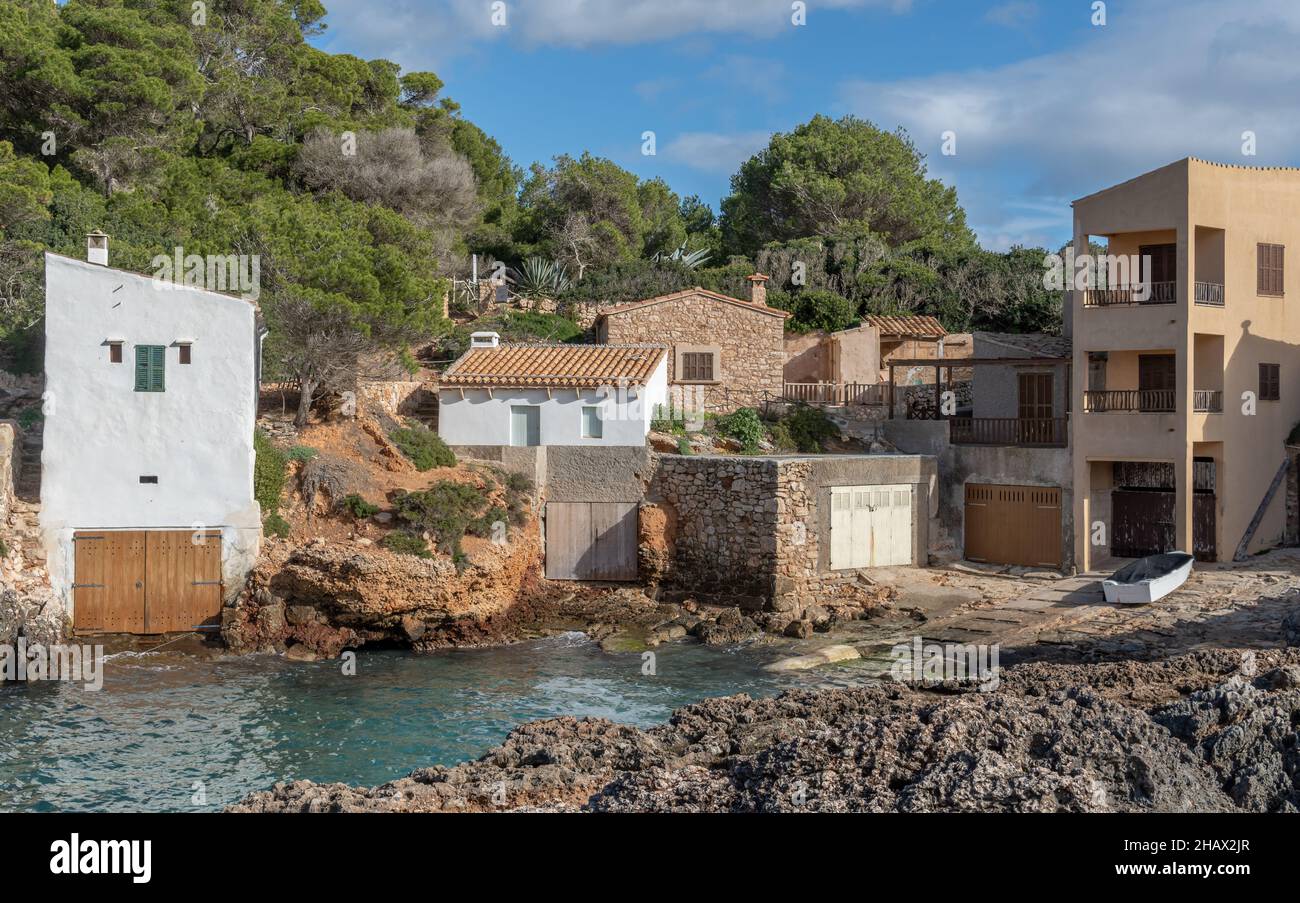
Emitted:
<point x="1048" y="100"/>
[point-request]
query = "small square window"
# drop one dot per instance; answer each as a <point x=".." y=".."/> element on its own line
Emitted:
<point x="115" y="352"/>
<point x="185" y="354"/>
<point x="698" y="366"/>
<point x="592" y="426"/>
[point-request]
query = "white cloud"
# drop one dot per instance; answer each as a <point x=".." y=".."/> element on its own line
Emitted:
<point x="1173" y="79"/>
<point x="1015" y="14"/>
<point x="715" y="152"/>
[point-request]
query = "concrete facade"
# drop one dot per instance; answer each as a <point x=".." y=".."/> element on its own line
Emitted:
<point x="847" y="356"/>
<point x="482" y="416"/>
<point x="103" y="438"/>
<point x="1215" y="216"/>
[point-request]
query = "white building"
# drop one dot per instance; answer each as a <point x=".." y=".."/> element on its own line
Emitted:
<point x="147" y="509"/>
<point x="531" y="395"/>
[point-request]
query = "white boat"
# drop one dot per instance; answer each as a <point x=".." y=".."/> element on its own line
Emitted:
<point x="1148" y="579"/>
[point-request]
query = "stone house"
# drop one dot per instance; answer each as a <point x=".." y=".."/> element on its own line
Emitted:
<point x="725" y="352"/>
<point x="147" y="512"/>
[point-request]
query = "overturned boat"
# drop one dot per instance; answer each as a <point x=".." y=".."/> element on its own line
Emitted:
<point x="1148" y="579"/>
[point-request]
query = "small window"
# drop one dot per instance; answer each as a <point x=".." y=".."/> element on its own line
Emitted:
<point x="1268" y="280"/>
<point x="115" y="352"/>
<point x="185" y="354"/>
<point x="697" y="366"/>
<point x="592" y="426"/>
<point x="149" y="479"/>
<point x="1270" y="382"/>
<point x="150" y="368"/>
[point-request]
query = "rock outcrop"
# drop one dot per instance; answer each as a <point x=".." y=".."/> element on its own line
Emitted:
<point x="325" y="597"/>
<point x="1228" y="746"/>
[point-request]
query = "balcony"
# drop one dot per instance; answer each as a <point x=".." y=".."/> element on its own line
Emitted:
<point x="1143" y="401"/>
<point x="1132" y="295"/>
<point x="1043" y="432"/>
<point x="1207" y="401"/>
<point x="1208" y="294"/>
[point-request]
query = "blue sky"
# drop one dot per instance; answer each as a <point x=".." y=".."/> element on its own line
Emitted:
<point x="1046" y="105"/>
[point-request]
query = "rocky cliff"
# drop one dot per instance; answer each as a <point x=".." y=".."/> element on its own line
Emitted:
<point x="1047" y="740"/>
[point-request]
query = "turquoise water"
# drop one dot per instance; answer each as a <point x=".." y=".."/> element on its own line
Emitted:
<point x="163" y="725"/>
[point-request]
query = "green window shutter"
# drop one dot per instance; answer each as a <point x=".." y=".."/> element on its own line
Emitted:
<point x="142" y="368"/>
<point x="150" y="367"/>
<point x="157" y="368"/>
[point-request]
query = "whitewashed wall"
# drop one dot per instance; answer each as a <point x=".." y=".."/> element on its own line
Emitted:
<point x="480" y="419"/>
<point x="101" y="435"/>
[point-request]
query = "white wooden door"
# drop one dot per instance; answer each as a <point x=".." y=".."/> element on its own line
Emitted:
<point x="871" y="526"/>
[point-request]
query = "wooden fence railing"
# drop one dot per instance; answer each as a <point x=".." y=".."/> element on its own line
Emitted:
<point x="1129" y="400"/>
<point x="1048" y="432"/>
<point x="837" y="393"/>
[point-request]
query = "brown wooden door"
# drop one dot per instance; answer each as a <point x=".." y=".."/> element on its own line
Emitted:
<point x="109" y="577"/>
<point x="146" y="582"/>
<point x="1157" y="382"/>
<point x="1035" y="396"/>
<point x="1163" y="260"/>
<point x="1013" y="524"/>
<point x="591" y="541"/>
<point x="183" y="580"/>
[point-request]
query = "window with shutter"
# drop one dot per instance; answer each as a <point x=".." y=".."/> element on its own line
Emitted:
<point x="697" y="366"/>
<point x="1270" y="382"/>
<point x="1269" y="274"/>
<point x="150" y="367"/>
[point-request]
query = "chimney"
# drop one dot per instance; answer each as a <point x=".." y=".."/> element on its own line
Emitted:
<point x="758" y="289"/>
<point x="97" y="248"/>
<point x="484" y="340"/>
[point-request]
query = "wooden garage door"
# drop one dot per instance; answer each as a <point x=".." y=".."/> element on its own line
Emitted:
<point x="146" y="582"/>
<point x="871" y="526"/>
<point x="591" y="541"/>
<point x="1013" y="524"/>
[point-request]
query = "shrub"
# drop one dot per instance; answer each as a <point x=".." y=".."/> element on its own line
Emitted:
<point x="423" y="446"/>
<point x="684" y="446"/>
<point x="445" y="509"/>
<point x="29" y="417"/>
<point x="268" y="472"/>
<point x="779" y="433"/>
<point x="483" y="525"/>
<point x="277" y="526"/>
<point x="358" y="507"/>
<point x="404" y="543"/>
<point x="817" y="309"/>
<point x="301" y="453"/>
<point x="744" y="426"/>
<point x="809" y="427"/>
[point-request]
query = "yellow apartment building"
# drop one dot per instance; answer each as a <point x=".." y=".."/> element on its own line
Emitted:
<point x="1184" y="385"/>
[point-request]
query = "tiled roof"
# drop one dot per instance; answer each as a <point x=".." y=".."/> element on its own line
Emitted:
<point x="569" y="366"/>
<point x="1035" y="344"/>
<point x="914" y="327"/>
<point x="703" y="292"/>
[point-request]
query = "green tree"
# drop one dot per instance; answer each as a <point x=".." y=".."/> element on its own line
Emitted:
<point x="835" y="176"/>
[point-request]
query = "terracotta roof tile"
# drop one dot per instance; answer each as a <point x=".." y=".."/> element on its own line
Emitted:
<point x="562" y="366"/>
<point x="703" y="292"/>
<point x="912" y="327"/>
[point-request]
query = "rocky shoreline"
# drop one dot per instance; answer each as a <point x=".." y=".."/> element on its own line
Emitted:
<point x="1212" y="731"/>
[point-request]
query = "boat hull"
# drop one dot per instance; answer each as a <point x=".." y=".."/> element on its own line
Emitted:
<point x="1146" y="591"/>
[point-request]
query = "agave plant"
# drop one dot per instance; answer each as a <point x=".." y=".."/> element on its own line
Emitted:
<point x="540" y="278"/>
<point x="692" y="259"/>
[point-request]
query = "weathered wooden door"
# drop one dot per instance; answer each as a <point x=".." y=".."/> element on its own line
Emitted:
<point x="871" y="526"/>
<point x="525" y="425"/>
<point x="1145" y="523"/>
<point x="182" y="580"/>
<point x="1013" y="524"/>
<point x="591" y="541"/>
<point x="146" y="581"/>
<point x="1157" y="382"/>
<point x="109" y="582"/>
<point x="1035" y="396"/>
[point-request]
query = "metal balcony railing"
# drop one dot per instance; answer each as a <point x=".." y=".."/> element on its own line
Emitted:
<point x="1208" y="294"/>
<point x="1207" y="401"/>
<point x="1129" y="400"/>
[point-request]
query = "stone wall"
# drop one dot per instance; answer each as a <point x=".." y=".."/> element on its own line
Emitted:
<point x="391" y="398"/>
<point x="754" y="532"/>
<point x="750" y="341"/>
